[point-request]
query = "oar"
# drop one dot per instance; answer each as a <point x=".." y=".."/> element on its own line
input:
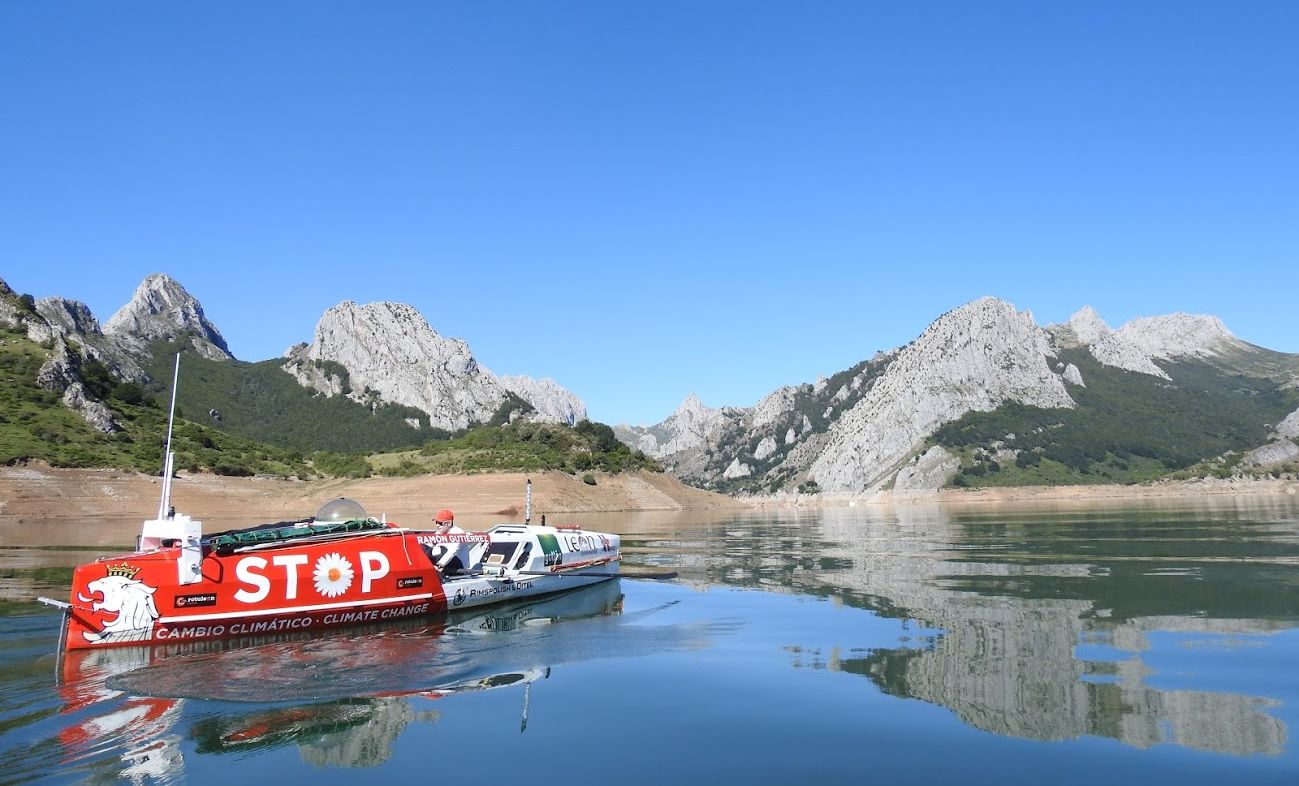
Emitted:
<point x="589" y="574"/>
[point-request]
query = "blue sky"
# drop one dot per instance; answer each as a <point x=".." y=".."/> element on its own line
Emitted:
<point x="643" y="199"/>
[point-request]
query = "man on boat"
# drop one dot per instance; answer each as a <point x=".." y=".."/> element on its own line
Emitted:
<point x="455" y="556"/>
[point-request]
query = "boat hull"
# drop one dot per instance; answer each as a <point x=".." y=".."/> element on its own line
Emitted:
<point x="139" y="599"/>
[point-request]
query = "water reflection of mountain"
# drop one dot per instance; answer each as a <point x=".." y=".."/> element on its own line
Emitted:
<point x="1012" y="598"/>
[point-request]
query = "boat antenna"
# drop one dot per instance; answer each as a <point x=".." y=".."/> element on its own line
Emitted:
<point x="527" y="504"/>
<point x="169" y="457"/>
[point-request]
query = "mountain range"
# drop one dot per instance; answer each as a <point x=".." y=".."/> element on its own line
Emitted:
<point x="986" y="396"/>
<point x="375" y="356"/>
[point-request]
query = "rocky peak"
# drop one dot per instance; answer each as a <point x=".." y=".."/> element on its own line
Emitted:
<point x="553" y="402"/>
<point x="1178" y="335"/>
<point x="71" y="322"/>
<point x="162" y="310"/>
<point x="692" y="410"/>
<point x="1087" y="326"/>
<point x="1083" y="329"/>
<point x="686" y="428"/>
<point x="689" y="424"/>
<point x="392" y="355"/>
<point x="973" y="358"/>
<point x="12" y="311"/>
<point x="389" y="349"/>
<point x="68" y="316"/>
<point x="1139" y="343"/>
<point x="774" y="407"/>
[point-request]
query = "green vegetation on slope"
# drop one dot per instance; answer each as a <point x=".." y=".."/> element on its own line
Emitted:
<point x="1127" y="428"/>
<point x="35" y="425"/>
<point x="260" y="401"/>
<point x="521" y="446"/>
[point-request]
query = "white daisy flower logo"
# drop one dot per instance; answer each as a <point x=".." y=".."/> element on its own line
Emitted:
<point x="333" y="575"/>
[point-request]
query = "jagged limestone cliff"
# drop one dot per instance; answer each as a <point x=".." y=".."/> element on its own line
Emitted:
<point x="971" y="359"/>
<point x="553" y="402"/>
<point x="852" y="431"/>
<point x="683" y="430"/>
<point x="857" y="430"/>
<point x="390" y="349"/>
<point x="391" y="354"/>
<point x="1289" y="427"/>
<point x="1139" y="343"/>
<point x="381" y="353"/>
<point x="162" y="310"/>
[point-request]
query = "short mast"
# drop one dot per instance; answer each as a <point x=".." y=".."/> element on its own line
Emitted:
<point x="168" y="457"/>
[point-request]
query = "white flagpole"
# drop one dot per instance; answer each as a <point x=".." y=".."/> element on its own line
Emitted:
<point x="168" y="456"/>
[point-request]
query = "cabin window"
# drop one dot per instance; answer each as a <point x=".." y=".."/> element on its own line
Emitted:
<point x="500" y="553"/>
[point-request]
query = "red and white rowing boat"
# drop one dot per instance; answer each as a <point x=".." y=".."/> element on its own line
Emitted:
<point x="340" y="567"/>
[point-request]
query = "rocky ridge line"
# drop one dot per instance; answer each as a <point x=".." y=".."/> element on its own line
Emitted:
<point x="1140" y="342"/>
<point x="971" y="359"/>
<point x="685" y="429"/>
<point x="392" y="354"/>
<point x="390" y="349"/>
<point x="162" y="310"/>
<point x="554" y="403"/>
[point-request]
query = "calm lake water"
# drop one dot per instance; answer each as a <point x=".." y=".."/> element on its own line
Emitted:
<point x="1144" y="645"/>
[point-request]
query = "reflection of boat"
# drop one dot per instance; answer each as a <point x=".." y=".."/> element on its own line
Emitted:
<point x="402" y="658"/>
<point x="378" y="675"/>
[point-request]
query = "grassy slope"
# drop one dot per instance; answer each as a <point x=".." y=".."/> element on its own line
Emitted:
<point x="1127" y="427"/>
<point x="259" y="398"/>
<point x="260" y="401"/>
<point x="520" y="447"/>
<point x="35" y="425"/>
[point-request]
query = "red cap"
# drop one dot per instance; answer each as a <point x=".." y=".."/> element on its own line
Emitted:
<point x="444" y="515"/>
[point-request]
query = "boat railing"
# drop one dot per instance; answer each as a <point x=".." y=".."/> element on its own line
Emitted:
<point x="296" y="532"/>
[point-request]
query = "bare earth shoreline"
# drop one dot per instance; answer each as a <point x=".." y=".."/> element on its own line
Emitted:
<point x="38" y="493"/>
<point x="1050" y="495"/>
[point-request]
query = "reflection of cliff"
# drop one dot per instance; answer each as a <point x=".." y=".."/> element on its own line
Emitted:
<point x="350" y="732"/>
<point x="369" y="744"/>
<point x="1012" y="598"/>
<point x="1036" y="689"/>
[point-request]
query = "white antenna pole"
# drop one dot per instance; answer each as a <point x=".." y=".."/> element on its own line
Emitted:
<point x="527" y="504"/>
<point x="168" y="456"/>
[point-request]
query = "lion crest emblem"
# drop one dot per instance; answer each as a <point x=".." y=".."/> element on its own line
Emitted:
<point x="129" y="599"/>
